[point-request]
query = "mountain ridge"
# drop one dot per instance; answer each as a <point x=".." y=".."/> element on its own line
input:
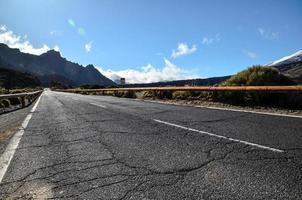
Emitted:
<point x="290" y="66"/>
<point x="295" y="57"/>
<point x="51" y="66"/>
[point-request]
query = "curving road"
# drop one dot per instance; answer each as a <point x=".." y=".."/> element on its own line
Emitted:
<point x="99" y="147"/>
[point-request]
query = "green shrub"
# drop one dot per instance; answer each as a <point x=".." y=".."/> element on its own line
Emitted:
<point x="5" y="103"/>
<point x="149" y="94"/>
<point x="129" y="94"/>
<point x="258" y="76"/>
<point x="123" y="94"/>
<point x="180" y="95"/>
<point x="184" y="95"/>
<point x="162" y="94"/>
<point x="14" y="101"/>
<point x="166" y="94"/>
<point x="2" y="90"/>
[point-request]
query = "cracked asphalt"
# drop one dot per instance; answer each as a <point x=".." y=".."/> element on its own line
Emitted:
<point x="9" y="124"/>
<point x="74" y="149"/>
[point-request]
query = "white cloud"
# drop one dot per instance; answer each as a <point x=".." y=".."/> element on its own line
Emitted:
<point x="268" y="34"/>
<point x="206" y="40"/>
<point x="149" y="73"/>
<point x="261" y="31"/>
<point x="55" y="33"/>
<point x="3" y="28"/>
<point x="71" y="22"/>
<point x="251" y="55"/>
<point x="14" y="41"/>
<point x="81" y="31"/>
<point x="183" y="49"/>
<point x="211" y="40"/>
<point x="56" y="48"/>
<point x="88" y="47"/>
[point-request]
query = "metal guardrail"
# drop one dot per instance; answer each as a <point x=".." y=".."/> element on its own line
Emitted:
<point x="25" y="98"/>
<point x="6" y="96"/>
<point x="195" y="88"/>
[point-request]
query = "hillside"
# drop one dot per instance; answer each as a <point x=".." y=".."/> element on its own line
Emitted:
<point x="50" y="66"/>
<point x="290" y="66"/>
<point x="14" y="79"/>
<point x="293" y="70"/>
<point x="258" y="76"/>
<point x="192" y="82"/>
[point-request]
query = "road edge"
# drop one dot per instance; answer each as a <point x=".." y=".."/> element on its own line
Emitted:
<point x="12" y="146"/>
<point x="220" y="108"/>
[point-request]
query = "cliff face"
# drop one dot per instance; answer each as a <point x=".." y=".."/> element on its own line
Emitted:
<point x="50" y="66"/>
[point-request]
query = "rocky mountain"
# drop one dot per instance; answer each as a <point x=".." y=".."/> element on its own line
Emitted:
<point x="290" y="66"/>
<point x="13" y="79"/>
<point x="51" y="66"/>
<point x="294" y="58"/>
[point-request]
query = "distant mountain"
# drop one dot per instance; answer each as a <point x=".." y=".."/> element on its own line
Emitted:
<point x="50" y="66"/>
<point x="191" y="82"/>
<point x="290" y="66"/>
<point x="13" y="79"/>
<point x="294" y="58"/>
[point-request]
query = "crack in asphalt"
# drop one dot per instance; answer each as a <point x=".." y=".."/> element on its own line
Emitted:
<point x="93" y="188"/>
<point x="182" y="171"/>
<point x="145" y="178"/>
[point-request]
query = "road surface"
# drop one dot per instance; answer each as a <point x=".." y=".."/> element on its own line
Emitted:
<point x="100" y="147"/>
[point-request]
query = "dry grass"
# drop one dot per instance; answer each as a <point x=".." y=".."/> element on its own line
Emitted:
<point x="289" y="97"/>
<point x="15" y="91"/>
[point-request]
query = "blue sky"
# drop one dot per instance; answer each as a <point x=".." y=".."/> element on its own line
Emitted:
<point x="152" y="40"/>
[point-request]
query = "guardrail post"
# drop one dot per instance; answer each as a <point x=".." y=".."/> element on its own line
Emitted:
<point x="30" y="98"/>
<point x="23" y="102"/>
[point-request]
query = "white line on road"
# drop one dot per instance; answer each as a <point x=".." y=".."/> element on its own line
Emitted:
<point x="250" y="111"/>
<point x="225" y="109"/>
<point x="102" y="106"/>
<point x="220" y="136"/>
<point x="10" y="150"/>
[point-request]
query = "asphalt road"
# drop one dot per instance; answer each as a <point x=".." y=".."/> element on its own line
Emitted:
<point x="97" y="147"/>
<point x="9" y="124"/>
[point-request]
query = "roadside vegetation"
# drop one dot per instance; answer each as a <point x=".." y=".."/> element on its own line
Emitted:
<point x="258" y="76"/>
<point x="253" y="76"/>
<point x="12" y="82"/>
<point x="15" y="91"/>
<point x="11" y="79"/>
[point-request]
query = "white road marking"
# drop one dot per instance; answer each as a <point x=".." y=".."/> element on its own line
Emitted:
<point x="99" y="105"/>
<point x="220" y="136"/>
<point x="11" y="148"/>
<point x="250" y="111"/>
<point x="225" y="109"/>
